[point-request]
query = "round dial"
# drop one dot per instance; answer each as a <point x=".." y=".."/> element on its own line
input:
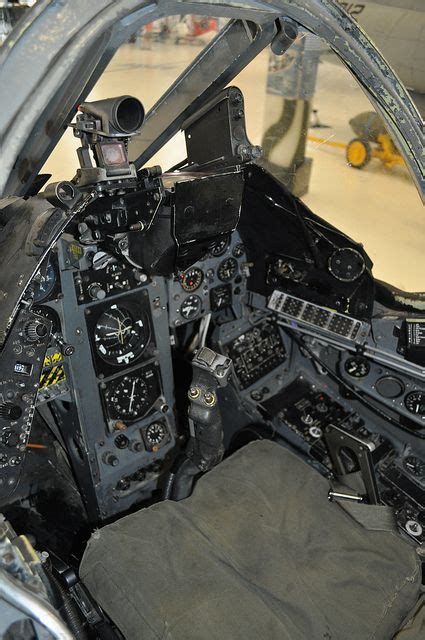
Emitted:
<point x="414" y="466"/>
<point x="156" y="434"/>
<point x="415" y="402"/>
<point x="357" y="366"/>
<point x="49" y="314"/>
<point x="190" y="307"/>
<point x="346" y="264"/>
<point x="238" y="250"/>
<point x="120" y="337"/>
<point x="191" y="279"/>
<point x="227" y="269"/>
<point x="128" y="399"/>
<point x="389" y="387"/>
<point x="43" y="285"/>
<point x="219" y="247"/>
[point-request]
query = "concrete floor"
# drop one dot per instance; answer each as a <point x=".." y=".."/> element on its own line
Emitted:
<point x="376" y="206"/>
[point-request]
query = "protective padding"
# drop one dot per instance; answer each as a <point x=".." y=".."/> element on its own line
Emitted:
<point x="256" y="553"/>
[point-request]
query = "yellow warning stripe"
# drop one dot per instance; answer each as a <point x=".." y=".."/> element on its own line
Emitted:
<point x="52" y="359"/>
<point x="55" y="375"/>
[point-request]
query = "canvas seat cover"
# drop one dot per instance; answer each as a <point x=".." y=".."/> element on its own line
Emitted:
<point x="257" y="552"/>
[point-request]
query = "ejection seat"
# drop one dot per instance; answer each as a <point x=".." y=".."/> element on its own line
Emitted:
<point x="256" y="553"/>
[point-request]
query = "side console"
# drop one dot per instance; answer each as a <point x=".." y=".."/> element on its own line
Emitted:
<point x="339" y="440"/>
<point x="21" y="362"/>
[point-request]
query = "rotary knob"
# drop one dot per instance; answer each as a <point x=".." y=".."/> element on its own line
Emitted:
<point x="96" y="292"/>
<point x="10" y="411"/>
<point x="10" y="438"/>
<point x="35" y="331"/>
<point x="111" y="459"/>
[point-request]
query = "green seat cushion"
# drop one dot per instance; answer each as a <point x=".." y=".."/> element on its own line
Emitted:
<point x="257" y="552"/>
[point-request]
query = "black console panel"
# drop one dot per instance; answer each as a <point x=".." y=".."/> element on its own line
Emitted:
<point x="256" y="352"/>
<point x="304" y="415"/>
<point x="21" y="363"/>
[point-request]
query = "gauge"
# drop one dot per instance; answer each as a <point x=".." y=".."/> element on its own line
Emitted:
<point x="357" y="366"/>
<point x="131" y="396"/>
<point x="414" y="466"/>
<point x="44" y="282"/>
<point x="128" y="399"/>
<point x="119" y="336"/>
<point x="156" y="435"/>
<point x="219" y="247"/>
<point x="121" y="441"/>
<point x="190" y="307"/>
<point x="49" y="314"/>
<point x="389" y="387"/>
<point x="346" y="264"/>
<point x="221" y="297"/>
<point x="238" y="250"/>
<point x="191" y="279"/>
<point x="227" y="270"/>
<point x="415" y="402"/>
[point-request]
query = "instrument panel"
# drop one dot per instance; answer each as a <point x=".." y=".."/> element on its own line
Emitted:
<point x="215" y="283"/>
<point x="22" y="359"/>
<point x="117" y="384"/>
<point x="119" y="381"/>
<point x="391" y="388"/>
<point x="108" y="277"/>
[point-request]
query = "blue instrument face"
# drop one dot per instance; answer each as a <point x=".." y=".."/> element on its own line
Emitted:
<point x="44" y="285"/>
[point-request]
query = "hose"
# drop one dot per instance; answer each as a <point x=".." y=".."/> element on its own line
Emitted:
<point x="180" y="481"/>
<point x="67" y="607"/>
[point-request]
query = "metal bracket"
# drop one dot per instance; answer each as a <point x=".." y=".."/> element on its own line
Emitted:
<point x="337" y="439"/>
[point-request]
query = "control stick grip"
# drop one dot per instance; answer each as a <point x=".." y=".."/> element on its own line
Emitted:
<point x="211" y="371"/>
<point x="205" y="447"/>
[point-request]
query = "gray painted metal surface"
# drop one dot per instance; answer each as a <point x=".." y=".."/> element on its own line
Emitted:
<point x="70" y="42"/>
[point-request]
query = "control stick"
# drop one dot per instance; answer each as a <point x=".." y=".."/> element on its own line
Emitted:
<point x="205" y="449"/>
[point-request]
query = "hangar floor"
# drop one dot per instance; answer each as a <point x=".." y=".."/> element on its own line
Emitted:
<point x="377" y="206"/>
